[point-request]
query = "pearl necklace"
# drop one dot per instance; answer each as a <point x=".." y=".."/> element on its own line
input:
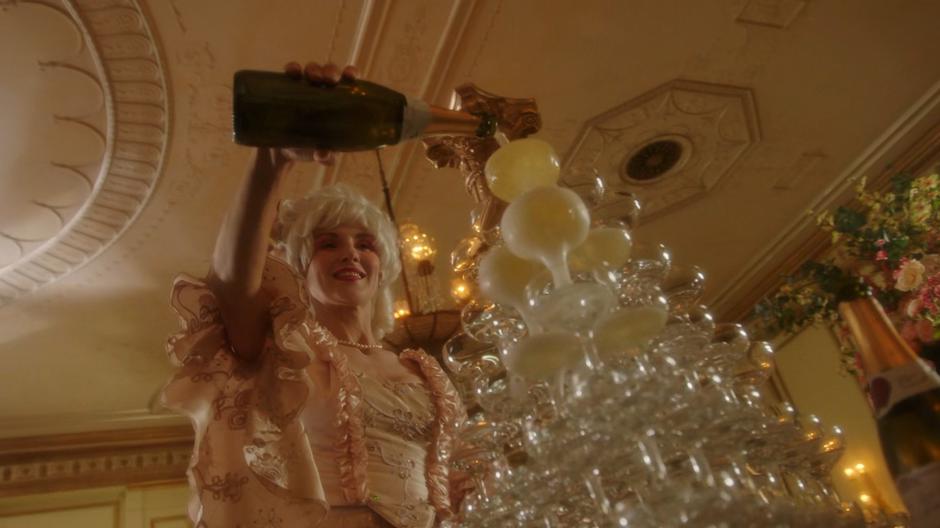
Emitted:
<point x="357" y="345"/>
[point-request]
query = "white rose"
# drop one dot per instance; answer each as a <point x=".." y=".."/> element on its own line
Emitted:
<point x="910" y="276"/>
<point x="913" y="308"/>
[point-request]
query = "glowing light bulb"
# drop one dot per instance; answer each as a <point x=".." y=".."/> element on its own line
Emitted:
<point x="849" y="472"/>
<point x="860" y="468"/>
<point x="400" y="309"/>
<point x="460" y="290"/>
<point x="865" y="498"/>
<point x="408" y="231"/>
<point x="416" y="244"/>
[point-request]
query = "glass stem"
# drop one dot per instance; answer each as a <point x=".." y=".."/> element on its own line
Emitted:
<point x="558" y="266"/>
<point x="559" y="392"/>
<point x="530" y="323"/>
<point x="591" y="354"/>
<point x="595" y="488"/>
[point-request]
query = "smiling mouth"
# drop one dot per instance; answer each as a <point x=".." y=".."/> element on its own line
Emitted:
<point x="349" y="275"/>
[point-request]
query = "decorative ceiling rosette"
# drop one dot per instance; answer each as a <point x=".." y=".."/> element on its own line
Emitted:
<point x="667" y="147"/>
<point x="85" y="131"/>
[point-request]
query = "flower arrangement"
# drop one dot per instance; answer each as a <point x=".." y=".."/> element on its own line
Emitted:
<point x="889" y="243"/>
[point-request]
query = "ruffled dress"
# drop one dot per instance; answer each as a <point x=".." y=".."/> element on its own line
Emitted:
<point x="275" y="449"/>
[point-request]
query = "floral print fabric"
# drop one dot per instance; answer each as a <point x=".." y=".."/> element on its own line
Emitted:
<point x="256" y="453"/>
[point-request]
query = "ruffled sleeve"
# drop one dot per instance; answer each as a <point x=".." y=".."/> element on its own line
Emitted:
<point x="252" y="464"/>
<point x="450" y="416"/>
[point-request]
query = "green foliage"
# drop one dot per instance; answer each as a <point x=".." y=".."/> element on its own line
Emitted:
<point x="873" y="241"/>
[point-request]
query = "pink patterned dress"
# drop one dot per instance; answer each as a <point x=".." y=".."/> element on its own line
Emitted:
<point x="274" y="449"/>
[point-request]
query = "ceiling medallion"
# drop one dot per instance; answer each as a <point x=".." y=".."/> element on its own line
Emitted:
<point x="77" y="192"/>
<point x="668" y="146"/>
<point x="654" y="160"/>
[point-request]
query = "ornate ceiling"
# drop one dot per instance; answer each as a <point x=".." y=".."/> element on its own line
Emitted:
<point x="117" y="161"/>
<point x="90" y="115"/>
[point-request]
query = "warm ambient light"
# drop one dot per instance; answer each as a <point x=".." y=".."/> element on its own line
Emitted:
<point x="416" y="245"/>
<point x="852" y="471"/>
<point x="401" y="310"/>
<point x="865" y="498"/>
<point x="460" y="290"/>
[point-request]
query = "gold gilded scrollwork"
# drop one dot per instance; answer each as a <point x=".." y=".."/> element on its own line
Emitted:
<point x="516" y="118"/>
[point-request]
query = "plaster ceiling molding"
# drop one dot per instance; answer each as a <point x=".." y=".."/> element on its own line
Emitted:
<point x="208" y="111"/>
<point x="911" y="144"/>
<point x="85" y="133"/>
<point x="410" y="47"/>
<point x="804" y="168"/>
<point x="668" y="146"/>
<point x="94" y="459"/>
<point x="411" y="161"/>
<point x="772" y="13"/>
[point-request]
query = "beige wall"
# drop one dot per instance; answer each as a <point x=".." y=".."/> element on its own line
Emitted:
<point x="809" y="366"/>
<point x="157" y="506"/>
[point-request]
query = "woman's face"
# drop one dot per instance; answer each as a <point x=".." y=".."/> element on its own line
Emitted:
<point x="344" y="268"/>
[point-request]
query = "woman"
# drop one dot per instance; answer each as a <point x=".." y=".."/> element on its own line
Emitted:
<point x="302" y="418"/>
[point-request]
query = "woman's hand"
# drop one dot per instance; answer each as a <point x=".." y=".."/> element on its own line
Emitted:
<point x="324" y="75"/>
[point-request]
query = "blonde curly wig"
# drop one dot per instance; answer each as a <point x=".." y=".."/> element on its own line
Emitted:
<point x="328" y="208"/>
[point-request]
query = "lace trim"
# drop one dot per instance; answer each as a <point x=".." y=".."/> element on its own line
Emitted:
<point x="450" y="414"/>
<point x="297" y="329"/>
<point x="354" y="459"/>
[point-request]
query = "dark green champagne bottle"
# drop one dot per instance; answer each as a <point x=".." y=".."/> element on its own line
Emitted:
<point x="905" y="394"/>
<point x="274" y="110"/>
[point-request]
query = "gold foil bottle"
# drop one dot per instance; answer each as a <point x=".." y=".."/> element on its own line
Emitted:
<point x="905" y="393"/>
<point x="273" y="110"/>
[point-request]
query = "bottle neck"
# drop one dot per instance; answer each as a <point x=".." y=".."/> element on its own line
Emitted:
<point x="421" y="119"/>
<point x="880" y="347"/>
<point x="446" y="122"/>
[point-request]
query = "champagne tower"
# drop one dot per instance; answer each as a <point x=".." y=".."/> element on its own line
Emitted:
<point x="596" y="397"/>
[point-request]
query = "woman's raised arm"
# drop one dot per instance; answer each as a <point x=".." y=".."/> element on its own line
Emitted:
<point x="241" y="247"/>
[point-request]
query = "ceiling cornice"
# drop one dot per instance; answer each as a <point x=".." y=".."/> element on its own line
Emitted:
<point x="48" y="463"/>
<point x="911" y="145"/>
